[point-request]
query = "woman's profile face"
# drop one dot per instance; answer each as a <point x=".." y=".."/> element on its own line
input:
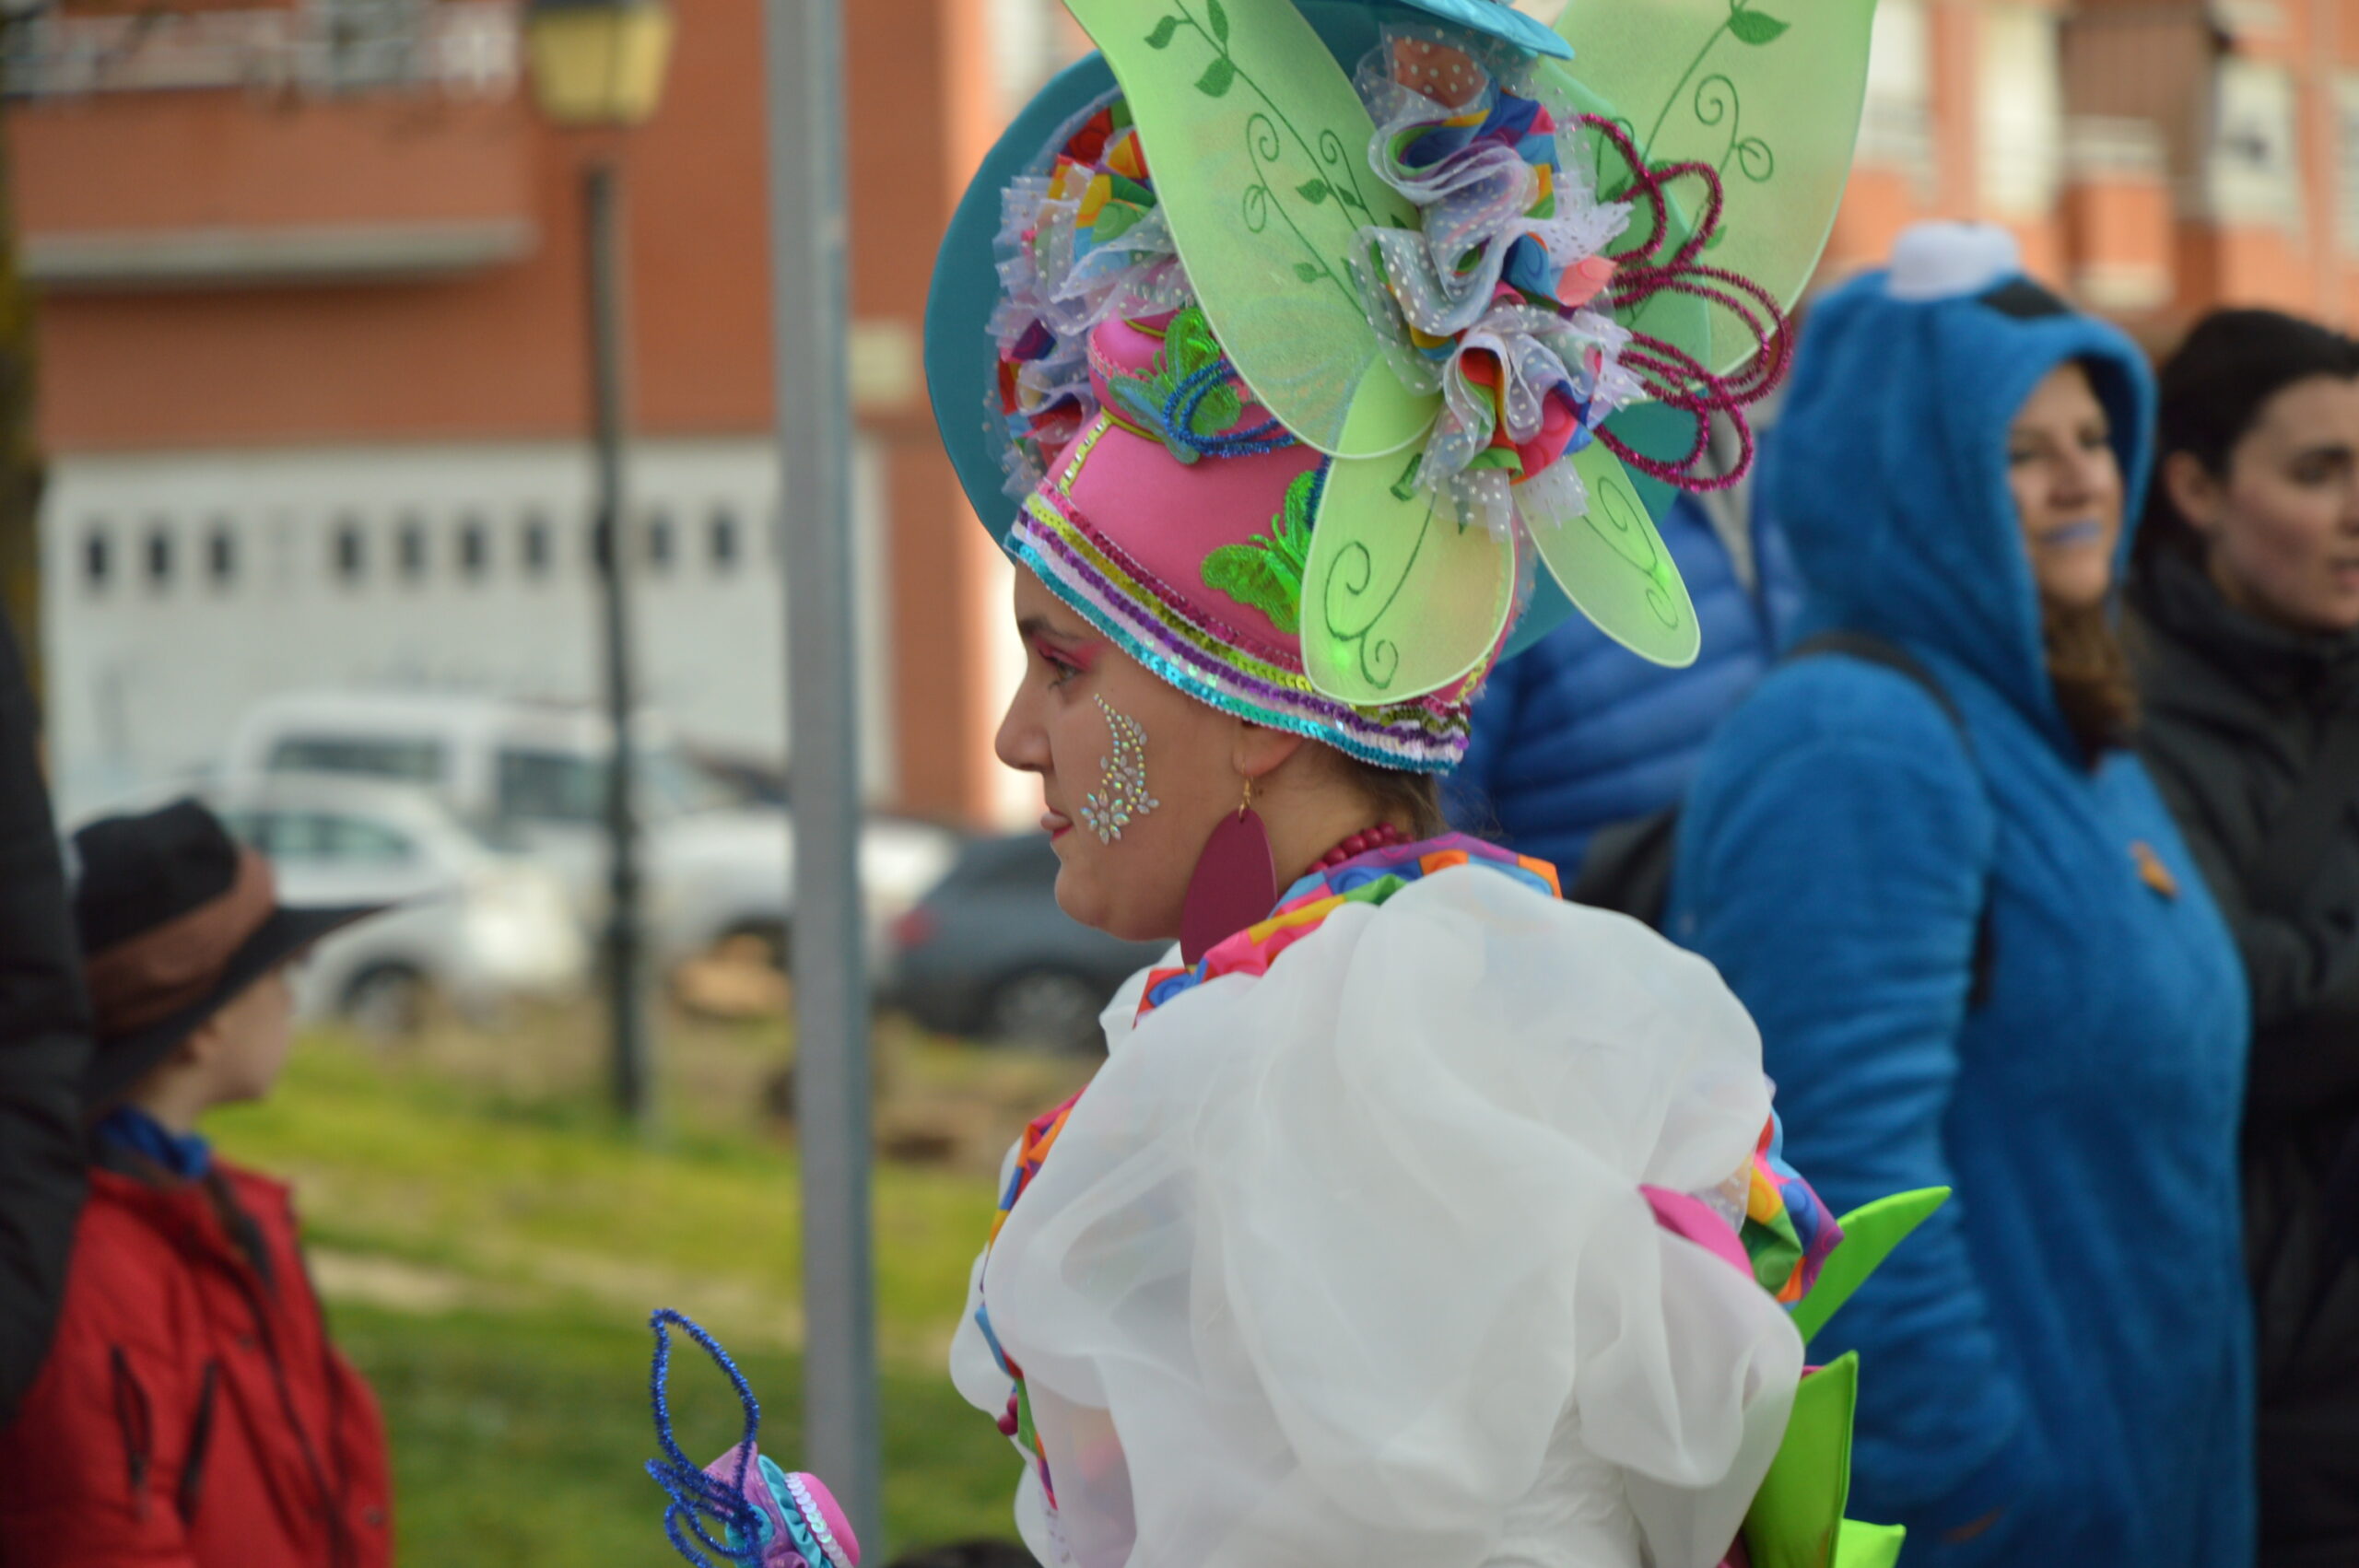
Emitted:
<point x="2067" y="488"/>
<point x="2281" y="530"/>
<point x="1134" y="772"/>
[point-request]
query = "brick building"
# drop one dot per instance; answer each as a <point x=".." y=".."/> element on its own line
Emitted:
<point x="2156" y="157"/>
<point x="314" y="349"/>
<point x="313" y="354"/>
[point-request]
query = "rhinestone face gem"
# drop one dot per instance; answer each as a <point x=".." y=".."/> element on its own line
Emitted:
<point x="1122" y="794"/>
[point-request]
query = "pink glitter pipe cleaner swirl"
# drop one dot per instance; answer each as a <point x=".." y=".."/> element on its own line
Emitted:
<point x="1676" y="377"/>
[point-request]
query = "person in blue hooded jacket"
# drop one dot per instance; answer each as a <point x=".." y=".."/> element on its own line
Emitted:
<point x="1979" y="951"/>
<point x="1577" y="733"/>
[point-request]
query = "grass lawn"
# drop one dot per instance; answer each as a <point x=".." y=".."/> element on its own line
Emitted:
<point x="490" y="1244"/>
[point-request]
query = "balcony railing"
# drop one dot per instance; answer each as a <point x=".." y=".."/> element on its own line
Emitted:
<point x="461" y="47"/>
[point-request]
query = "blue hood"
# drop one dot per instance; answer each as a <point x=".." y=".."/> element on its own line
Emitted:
<point x="1891" y="476"/>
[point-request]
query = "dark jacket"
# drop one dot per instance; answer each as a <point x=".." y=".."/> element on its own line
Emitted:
<point x="2058" y="1364"/>
<point x="1577" y="733"/>
<point x="2236" y="712"/>
<point x="192" y="1414"/>
<point x="44" y="1045"/>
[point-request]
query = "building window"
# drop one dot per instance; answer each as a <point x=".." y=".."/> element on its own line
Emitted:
<point x="1895" y="122"/>
<point x="2253" y="174"/>
<point x="351" y="552"/>
<point x="659" y="541"/>
<point x="2346" y="163"/>
<point x="409" y="548"/>
<point x="221" y="553"/>
<point x="533" y="546"/>
<point x="96" y="557"/>
<point x="159" y="555"/>
<point x="2019" y="111"/>
<point x="721" y="531"/>
<point x="474" y="548"/>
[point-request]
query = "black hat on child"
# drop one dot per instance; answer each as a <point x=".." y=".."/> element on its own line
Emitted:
<point x="175" y="919"/>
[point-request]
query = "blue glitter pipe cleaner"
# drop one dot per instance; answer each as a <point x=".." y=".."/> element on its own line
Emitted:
<point x="695" y="1495"/>
<point x="767" y="1517"/>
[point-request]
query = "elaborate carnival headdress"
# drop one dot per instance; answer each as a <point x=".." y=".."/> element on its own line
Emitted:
<point x="1320" y="352"/>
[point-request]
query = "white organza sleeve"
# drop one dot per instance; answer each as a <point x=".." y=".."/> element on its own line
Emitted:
<point x="1325" y="1258"/>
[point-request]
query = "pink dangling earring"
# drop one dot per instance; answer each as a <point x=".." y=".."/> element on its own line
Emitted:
<point x="1235" y="884"/>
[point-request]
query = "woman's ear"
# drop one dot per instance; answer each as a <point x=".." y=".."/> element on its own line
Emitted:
<point x="1258" y="752"/>
<point x="2198" y="496"/>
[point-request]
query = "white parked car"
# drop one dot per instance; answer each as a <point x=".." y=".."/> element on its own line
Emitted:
<point x="534" y="776"/>
<point x="470" y="926"/>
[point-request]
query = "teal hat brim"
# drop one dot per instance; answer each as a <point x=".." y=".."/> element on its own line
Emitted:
<point x="962" y="360"/>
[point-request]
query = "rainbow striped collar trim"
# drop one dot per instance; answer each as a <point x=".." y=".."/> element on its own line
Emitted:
<point x="1365" y="879"/>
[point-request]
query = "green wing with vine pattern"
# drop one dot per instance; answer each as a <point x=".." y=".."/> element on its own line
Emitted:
<point x="1258" y="146"/>
<point x="1769" y="92"/>
<point x="1397" y="600"/>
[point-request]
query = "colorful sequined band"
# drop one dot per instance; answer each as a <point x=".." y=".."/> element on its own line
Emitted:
<point x="1091" y="574"/>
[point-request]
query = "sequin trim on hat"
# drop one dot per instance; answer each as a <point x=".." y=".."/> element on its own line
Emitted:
<point x="1215" y="664"/>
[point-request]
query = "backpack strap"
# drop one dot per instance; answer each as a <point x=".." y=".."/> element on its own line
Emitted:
<point x="1870" y="648"/>
<point x="1885" y="654"/>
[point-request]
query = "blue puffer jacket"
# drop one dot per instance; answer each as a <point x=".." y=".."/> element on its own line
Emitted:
<point x="2060" y="1356"/>
<point x="1577" y="733"/>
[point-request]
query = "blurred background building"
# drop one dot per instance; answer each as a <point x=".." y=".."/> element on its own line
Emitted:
<point x="313" y="379"/>
<point x="313" y="385"/>
<point x="2155" y="156"/>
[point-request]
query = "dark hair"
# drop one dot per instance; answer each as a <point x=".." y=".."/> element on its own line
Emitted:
<point x="1397" y="795"/>
<point x="2090" y="670"/>
<point x="2213" y="391"/>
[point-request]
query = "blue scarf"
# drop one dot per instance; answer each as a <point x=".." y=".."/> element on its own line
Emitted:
<point x="187" y="1156"/>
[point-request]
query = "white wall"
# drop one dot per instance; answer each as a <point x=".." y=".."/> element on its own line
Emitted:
<point x="148" y="670"/>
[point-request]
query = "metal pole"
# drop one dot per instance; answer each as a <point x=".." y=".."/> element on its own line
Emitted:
<point x="810" y="309"/>
<point x="625" y="949"/>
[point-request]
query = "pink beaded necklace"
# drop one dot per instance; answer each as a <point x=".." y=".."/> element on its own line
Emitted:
<point x="1383" y="836"/>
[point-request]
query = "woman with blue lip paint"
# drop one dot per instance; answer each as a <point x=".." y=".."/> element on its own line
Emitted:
<point x="1976" y="947"/>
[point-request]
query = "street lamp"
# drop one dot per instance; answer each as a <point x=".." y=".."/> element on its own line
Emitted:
<point x="599" y="64"/>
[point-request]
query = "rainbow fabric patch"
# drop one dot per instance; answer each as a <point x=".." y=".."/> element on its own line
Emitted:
<point x="1787" y="1230"/>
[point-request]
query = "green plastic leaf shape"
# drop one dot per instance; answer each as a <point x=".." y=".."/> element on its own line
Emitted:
<point x="1612" y="564"/>
<point x="1771" y="101"/>
<point x="1870" y="1232"/>
<point x="1797" y="1516"/>
<point x="1398" y="600"/>
<point x="1859" y="1545"/>
<point x="1242" y="109"/>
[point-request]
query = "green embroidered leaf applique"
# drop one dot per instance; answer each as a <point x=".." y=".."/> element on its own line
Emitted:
<point x="1188" y="347"/>
<point x="1267" y="574"/>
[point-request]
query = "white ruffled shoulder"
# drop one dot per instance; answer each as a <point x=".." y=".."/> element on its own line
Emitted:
<point x="1348" y="1262"/>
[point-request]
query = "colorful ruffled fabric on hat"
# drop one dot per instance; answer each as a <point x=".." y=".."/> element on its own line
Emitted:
<point x="1081" y="244"/>
<point x="1490" y="300"/>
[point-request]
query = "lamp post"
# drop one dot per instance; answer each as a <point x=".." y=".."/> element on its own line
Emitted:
<point x="599" y="64"/>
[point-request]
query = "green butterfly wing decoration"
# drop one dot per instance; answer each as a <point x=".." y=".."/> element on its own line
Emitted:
<point x="1769" y="92"/>
<point x="1612" y="564"/>
<point x="1258" y="144"/>
<point x="1398" y="600"/>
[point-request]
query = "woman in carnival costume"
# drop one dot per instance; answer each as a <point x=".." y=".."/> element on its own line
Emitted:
<point x="1417" y="1216"/>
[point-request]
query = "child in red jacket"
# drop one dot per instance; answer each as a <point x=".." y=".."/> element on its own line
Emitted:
<point x="192" y="1412"/>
